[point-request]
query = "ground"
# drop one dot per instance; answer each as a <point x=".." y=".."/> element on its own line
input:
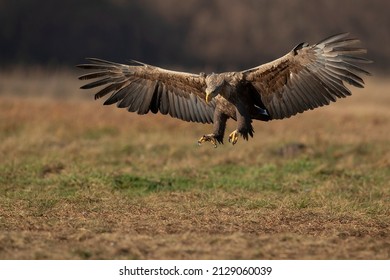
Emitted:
<point x="79" y="180"/>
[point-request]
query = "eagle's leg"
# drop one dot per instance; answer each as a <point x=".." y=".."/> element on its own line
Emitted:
<point x="220" y="120"/>
<point x="244" y="125"/>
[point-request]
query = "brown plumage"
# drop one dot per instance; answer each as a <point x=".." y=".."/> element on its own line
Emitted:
<point x="308" y="77"/>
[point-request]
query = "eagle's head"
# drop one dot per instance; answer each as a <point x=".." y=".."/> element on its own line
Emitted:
<point x="214" y="86"/>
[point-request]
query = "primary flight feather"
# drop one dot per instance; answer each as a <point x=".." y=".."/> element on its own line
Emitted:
<point x="307" y="77"/>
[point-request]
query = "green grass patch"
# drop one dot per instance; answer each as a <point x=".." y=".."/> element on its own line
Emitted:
<point x="279" y="177"/>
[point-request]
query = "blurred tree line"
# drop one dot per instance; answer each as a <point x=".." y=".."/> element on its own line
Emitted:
<point x="200" y="35"/>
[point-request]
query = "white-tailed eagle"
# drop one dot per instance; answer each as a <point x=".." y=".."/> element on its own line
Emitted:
<point x="307" y="77"/>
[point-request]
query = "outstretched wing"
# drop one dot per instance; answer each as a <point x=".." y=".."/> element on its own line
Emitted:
<point x="309" y="76"/>
<point x="142" y="88"/>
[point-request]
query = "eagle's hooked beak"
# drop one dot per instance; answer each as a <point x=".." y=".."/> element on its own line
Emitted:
<point x="208" y="96"/>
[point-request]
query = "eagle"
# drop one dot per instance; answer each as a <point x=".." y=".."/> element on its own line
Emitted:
<point x="307" y="77"/>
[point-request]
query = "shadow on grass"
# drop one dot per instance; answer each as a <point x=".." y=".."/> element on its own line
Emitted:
<point x="137" y="185"/>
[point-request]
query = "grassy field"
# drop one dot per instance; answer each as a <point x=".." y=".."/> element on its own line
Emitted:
<point x="83" y="181"/>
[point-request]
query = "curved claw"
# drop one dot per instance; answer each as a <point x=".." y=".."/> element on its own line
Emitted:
<point x="208" y="138"/>
<point x="233" y="137"/>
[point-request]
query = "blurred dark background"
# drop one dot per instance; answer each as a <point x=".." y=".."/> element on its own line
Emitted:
<point x="199" y="35"/>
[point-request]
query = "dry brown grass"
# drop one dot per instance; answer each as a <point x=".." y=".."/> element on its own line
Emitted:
<point x="78" y="180"/>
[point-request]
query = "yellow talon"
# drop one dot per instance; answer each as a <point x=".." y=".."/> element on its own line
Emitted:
<point x="208" y="138"/>
<point x="233" y="137"/>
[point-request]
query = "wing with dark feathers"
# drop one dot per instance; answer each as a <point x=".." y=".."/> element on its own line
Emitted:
<point x="309" y="76"/>
<point x="142" y="88"/>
